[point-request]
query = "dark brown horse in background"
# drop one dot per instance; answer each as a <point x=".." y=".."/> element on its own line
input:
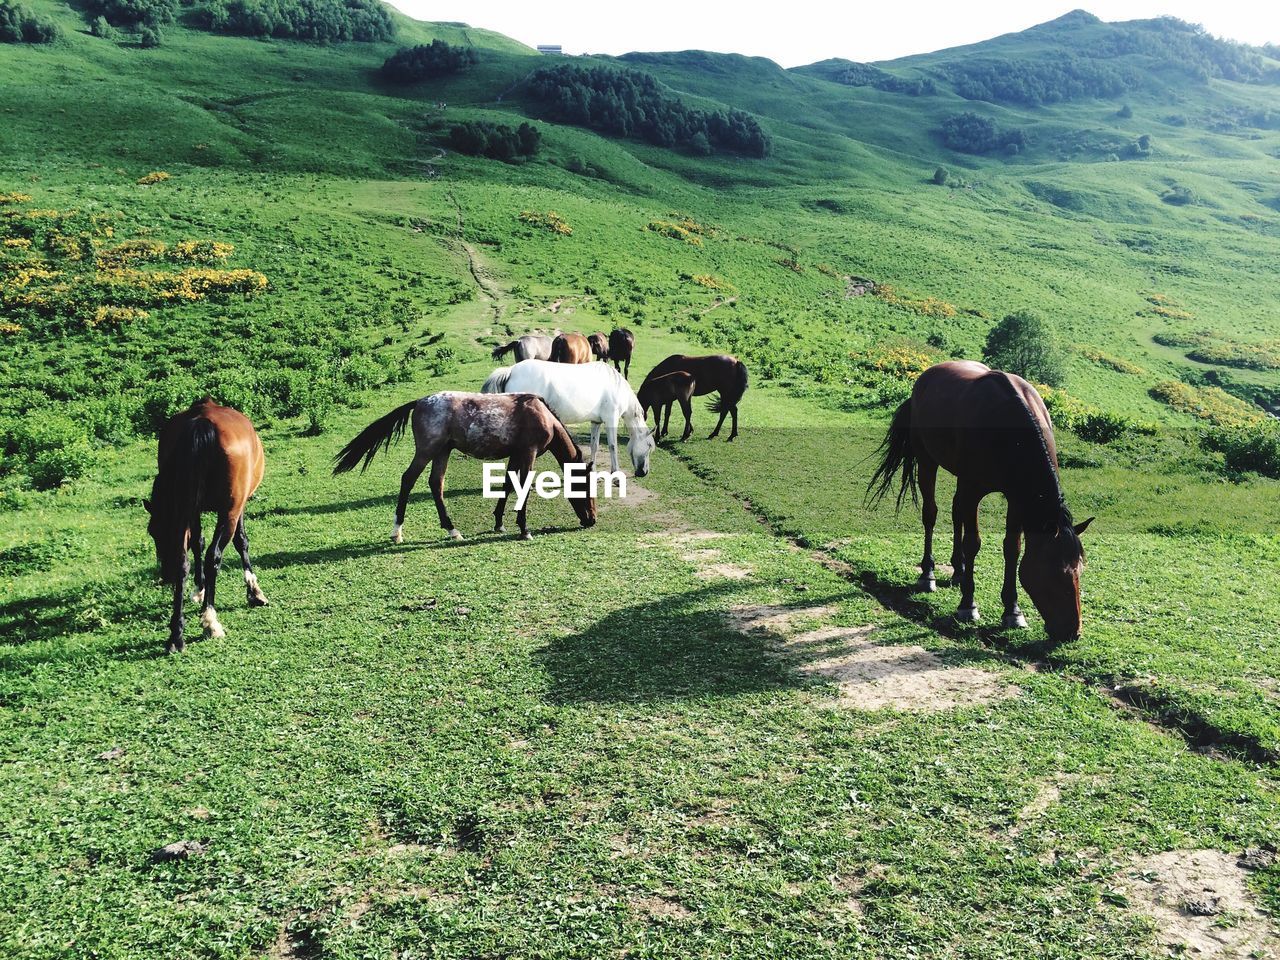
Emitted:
<point x="719" y="372"/>
<point x="517" y="426"/>
<point x="570" y="348"/>
<point x="210" y="460"/>
<point x="599" y="345"/>
<point x="622" y="342"/>
<point x="992" y="431"/>
<point x="661" y="393"/>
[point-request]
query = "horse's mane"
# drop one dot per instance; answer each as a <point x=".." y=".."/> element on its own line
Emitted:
<point x="1057" y="516"/>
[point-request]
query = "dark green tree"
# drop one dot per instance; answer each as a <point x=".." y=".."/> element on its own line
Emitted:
<point x="1026" y="343"/>
<point x="940" y="176"/>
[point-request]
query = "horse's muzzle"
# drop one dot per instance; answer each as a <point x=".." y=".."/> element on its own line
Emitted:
<point x="589" y="522"/>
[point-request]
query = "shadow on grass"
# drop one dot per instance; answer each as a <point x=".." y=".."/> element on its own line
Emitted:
<point x="386" y="501"/>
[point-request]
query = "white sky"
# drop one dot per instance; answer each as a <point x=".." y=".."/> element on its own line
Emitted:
<point x="802" y="31"/>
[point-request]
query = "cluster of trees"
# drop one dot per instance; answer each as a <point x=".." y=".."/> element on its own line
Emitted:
<point x="1187" y="47"/>
<point x="313" y="21"/>
<point x="148" y="15"/>
<point x="629" y="103"/>
<point x="18" y="24"/>
<point x="865" y="75"/>
<point x="973" y="133"/>
<point x="1044" y="80"/>
<point x="496" y="141"/>
<point x="426" y="61"/>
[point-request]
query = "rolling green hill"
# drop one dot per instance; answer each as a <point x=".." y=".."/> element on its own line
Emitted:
<point x="409" y="740"/>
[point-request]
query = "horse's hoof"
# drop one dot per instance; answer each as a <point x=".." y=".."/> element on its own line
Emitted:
<point x="397" y="536"/>
<point x="214" y="632"/>
<point x="258" y="599"/>
<point x="197" y="597"/>
<point x="526" y="535"/>
<point x="500" y="528"/>
<point x="1013" y="621"/>
<point x="454" y="534"/>
<point x="926" y="583"/>
<point x="175" y="646"/>
<point x="968" y="614"/>
<point x="212" y="628"/>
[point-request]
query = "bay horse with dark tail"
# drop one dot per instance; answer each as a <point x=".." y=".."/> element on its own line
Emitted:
<point x="719" y="372"/>
<point x="992" y="431"/>
<point x="570" y="348"/>
<point x="517" y="426"/>
<point x="210" y="460"/>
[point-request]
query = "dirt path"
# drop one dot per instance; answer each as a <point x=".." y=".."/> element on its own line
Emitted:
<point x="490" y="292"/>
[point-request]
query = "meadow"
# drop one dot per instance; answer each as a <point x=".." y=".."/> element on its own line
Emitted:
<point x="631" y="739"/>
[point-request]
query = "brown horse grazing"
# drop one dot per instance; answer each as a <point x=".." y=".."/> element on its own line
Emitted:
<point x="210" y="460"/>
<point x="991" y="430"/>
<point x="660" y="393"/>
<point x="719" y="372"/>
<point x="570" y="348"/>
<point x="621" y="344"/>
<point x="599" y="345"/>
<point x="518" y="426"/>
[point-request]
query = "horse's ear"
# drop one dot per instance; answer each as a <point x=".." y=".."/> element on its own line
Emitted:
<point x="1084" y="525"/>
<point x="146" y="504"/>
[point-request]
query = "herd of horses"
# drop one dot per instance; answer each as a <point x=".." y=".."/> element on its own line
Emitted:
<point x="988" y="428"/>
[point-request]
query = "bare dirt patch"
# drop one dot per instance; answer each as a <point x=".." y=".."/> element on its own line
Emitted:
<point x="1201" y="904"/>
<point x="779" y="620"/>
<point x="661" y="907"/>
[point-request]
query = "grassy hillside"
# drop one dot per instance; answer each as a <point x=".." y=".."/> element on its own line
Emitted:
<point x="588" y="744"/>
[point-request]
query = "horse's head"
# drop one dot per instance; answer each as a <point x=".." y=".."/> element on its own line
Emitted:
<point x="584" y="507"/>
<point x="170" y="539"/>
<point x="1050" y="573"/>
<point x="640" y="446"/>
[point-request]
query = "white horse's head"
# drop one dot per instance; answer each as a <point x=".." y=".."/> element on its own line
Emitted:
<point x="641" y="442"/>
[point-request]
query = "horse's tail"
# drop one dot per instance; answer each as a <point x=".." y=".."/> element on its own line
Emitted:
<point x="506" y="348"/>
<point x="731" y="394"/>
<point x="497" y="382"/>
<point x="559" y="350"/>
<point x="897" y="455"/>
<point x="180" y="484"/>
<point x="380" y="434"/>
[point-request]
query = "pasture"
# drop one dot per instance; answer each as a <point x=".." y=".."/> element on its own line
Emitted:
<point x="718" y="722"/>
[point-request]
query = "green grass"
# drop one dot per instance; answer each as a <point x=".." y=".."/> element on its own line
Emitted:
<point x="561" y="748"/>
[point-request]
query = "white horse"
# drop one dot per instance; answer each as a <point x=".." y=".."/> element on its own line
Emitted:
<point x="592" y="393"/>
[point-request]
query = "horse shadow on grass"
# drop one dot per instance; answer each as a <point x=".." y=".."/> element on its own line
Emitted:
<point x="682" y="648"/>
<point x="386" y="502"/>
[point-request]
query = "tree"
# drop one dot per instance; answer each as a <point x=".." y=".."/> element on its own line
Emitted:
<point x="100" y="28"/>
<point x="940" y="176"/>
<point x="1125" y="112"/>
<point x="1026" y="343"/>
<point x="149" y="36"/>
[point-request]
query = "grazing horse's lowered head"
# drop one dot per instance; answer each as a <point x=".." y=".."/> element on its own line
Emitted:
<point x="1050" y="573"/>
<point x="599" y="345"/>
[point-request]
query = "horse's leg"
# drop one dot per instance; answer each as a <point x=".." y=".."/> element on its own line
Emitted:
<point x="666" y="421"/>
<point x="407" y="480"/>
<point x="241" y="539"/>
<point x="686" y="407"/>
<point x="733" y="412"/>
<point x="197" y="556"/>
<point x="438" y="467"/>
<point x="177" y="622"/>
<point x="927" y="477"/>
<point x="595" y="445"/>
<point x="1013" y="618"/>
<point x="724" y="412"/>
<point x="501" y="507"/>
<point x="612" y="428"/>
<point x="522" y="464"/>
<point x="212" y="564"/>
<point x="966" y="505"/>
<point x="626" y="374"/>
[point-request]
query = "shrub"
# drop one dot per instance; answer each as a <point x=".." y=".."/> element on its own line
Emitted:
<point x="973" y="133"/>
<point x="18" y="24"/>
<point x="1101" y="427"/>
<point x="133" y="14"/>
<point x="1026" y="343"/>
<point x="495" y="140"/>
<point x="1254" y="449"/>
<point x="149" y="36"/>
<point x="100" y="28"/>
<point x="1207" y="403"/>
<point x="940" y="176"/>
<point x="155" y="176"/>
<point x="1180" y="196"/>
<point x="50" y="449"/>
<point x="427" y="61"/>
<point x="550" y="221"/>
<point x="1125" y="112"/>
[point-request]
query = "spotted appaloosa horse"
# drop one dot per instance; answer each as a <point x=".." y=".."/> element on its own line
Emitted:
<point x="719" y="372"/>
<point x="210" y="460"/>
<point x="570" y="348"/>
<point x="991" y="430"/>
<point x="622" y="343"/>
<point x="517" y="426"/>
<point x="599" y="345"/>
<point x="532" y="346"/>
<point x="661" y="393"/>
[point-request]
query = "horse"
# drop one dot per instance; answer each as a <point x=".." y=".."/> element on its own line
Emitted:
<point x="581" y="393"/>
<point x="570" y="348"/>
<point x="718" y="372"/>
<point x="992" y="431"/>
<point x="518" y="426"/>
<point x="621" y="344"/>
<point x="599" y="345"/>
<point x="660" y="392"/>
<point x="210" y="460"/>
<point x="532" y="346"/>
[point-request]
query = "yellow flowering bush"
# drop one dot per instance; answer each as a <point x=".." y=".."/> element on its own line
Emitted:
<point x="6" y="198"/>
<point x="550" y="221"/>
<point x="201" y="251"/>
<point x="130" y="251"/>
<point x="793" y="265"/>
<point x="711" y="282"/>
<point x="17" y="243"/>
<point x="1118" y="364"/>
<point x="676" y="231"/>
<point x="899" y="362"/>
<point x="155" y="176"/>
<point x="1208" y="403"/>
<point x="115" y="316"/>
<point x="926" y="307"/>
<point x="9" y="329"/>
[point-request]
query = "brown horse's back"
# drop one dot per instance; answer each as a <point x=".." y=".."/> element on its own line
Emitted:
<point x="570" y="348"/>
<point x="241" y="449"/>
<point x="952" y="400"/>
<point x="713" y="372"/>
